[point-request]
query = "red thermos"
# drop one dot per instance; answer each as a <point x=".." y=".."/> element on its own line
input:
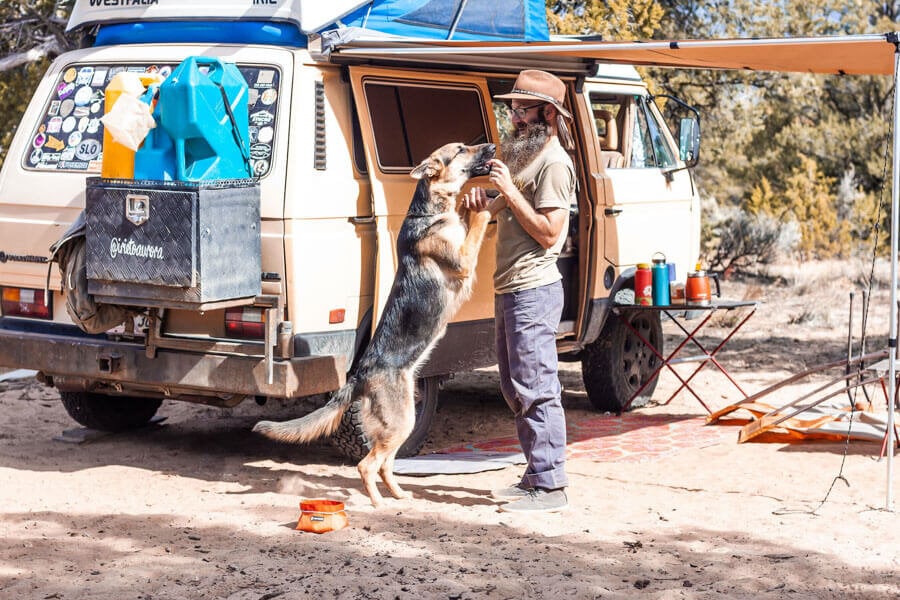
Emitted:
<point x="643" y="285"/>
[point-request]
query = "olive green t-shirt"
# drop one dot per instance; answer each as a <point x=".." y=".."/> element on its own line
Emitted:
<point x="522" y="263"/>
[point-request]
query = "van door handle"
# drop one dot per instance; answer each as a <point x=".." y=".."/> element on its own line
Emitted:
<point x="612" y="212"/>
<point x="362" y="220"/>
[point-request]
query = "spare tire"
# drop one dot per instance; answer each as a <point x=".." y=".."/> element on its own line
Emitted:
<point x="90" y="316"/>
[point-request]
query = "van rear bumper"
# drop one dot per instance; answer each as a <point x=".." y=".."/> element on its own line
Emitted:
<point x="171" y="373"/>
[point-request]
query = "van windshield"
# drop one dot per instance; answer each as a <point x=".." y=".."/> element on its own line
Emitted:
<point x="69" y="135"/>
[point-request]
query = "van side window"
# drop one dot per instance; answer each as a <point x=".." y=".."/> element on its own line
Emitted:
<point x="648" y="144"/>
<point x="609" y="112"/>
<point x="410" y="121"/>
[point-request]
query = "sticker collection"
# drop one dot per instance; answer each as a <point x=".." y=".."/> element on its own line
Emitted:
<point x="70" y="134"/>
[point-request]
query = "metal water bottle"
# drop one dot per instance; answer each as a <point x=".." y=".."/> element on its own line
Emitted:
<point x="643" y="285"/>
<point x="660" y="277"/>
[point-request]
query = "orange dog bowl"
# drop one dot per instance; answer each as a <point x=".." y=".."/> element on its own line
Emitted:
<point x="319" y="516"/>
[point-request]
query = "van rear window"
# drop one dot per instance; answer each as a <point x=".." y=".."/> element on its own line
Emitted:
<point x="69" y="135"/>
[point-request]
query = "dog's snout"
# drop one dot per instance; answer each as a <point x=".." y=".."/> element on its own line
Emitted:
<point x="489" y="150"/>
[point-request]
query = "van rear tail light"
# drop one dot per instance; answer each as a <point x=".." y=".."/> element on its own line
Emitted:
<point x="23" y="302"/>
<point x="247" y="323"/>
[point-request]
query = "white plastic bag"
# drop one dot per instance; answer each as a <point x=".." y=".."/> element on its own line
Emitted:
<point x="129" y="121"/>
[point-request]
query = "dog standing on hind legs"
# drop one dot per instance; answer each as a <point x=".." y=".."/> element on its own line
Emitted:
<point x="436" y="255"/>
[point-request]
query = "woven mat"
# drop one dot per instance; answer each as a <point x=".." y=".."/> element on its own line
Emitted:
<point x="631" y="437"/>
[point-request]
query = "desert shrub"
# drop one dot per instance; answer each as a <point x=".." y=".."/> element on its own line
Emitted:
<point x="736" y="239"/>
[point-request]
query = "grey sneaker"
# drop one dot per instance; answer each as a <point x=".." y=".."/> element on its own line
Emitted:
<point x="513" y="492"/>
<point x="539" y="500"/>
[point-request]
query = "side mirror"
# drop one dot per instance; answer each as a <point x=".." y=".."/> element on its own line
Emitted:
<point x="689" y="141"/>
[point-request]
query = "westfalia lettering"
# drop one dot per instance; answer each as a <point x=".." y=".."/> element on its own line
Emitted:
<point x="124" y="2"/>
<point x="119" y="246"/>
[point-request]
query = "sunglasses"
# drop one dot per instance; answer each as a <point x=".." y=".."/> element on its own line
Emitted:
<point x="520" y="112"/>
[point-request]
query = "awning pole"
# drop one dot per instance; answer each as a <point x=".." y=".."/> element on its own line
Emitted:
<point x="892" y="334"/>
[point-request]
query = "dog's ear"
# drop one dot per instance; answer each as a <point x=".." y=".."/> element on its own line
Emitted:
<point x="427" y="168"/>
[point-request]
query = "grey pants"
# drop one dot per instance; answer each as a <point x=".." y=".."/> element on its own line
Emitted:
<point x="526" y="325"/>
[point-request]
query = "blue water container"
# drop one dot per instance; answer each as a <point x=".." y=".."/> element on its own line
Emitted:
<point x="203" y="109"/>
<point x="155" y="159"/>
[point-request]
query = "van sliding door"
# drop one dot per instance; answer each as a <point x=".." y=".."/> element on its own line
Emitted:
<point x="403" y="120"/>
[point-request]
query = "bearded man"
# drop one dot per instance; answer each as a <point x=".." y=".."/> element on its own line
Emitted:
<point x="536" y="181"/>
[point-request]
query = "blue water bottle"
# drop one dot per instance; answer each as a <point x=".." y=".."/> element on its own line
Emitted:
<point x="660" y="275"/>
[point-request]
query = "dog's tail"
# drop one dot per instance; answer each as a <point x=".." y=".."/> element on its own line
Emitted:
<point x="317" y="424"/>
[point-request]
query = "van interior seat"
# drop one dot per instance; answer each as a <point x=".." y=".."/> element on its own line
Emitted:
<point x="611" y="160"/>
<point x="610" y="138"/>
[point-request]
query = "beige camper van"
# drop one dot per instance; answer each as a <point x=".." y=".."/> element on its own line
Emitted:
<point x="335" y="127"/>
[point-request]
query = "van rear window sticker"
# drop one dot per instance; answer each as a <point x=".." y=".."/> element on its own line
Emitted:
<point x="69" y="135"/>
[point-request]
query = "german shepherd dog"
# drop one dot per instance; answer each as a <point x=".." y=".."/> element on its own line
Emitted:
<point x="436" y="266"/>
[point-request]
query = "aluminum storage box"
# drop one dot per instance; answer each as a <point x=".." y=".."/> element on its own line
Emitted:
<point x="173" y="244"/>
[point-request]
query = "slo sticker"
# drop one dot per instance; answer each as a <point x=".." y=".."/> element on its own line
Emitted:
<point x="88" y="150"/>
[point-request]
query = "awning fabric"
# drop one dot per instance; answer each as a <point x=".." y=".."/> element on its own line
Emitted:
<point x="871" y="54"/>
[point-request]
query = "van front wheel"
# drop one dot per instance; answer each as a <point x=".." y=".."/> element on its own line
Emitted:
<point x="618" y="363"/>
<point x="109" y="413"/>
<point x="353" y="443"/>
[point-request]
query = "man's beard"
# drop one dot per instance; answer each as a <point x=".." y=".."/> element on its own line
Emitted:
<point x="524" y="146"/>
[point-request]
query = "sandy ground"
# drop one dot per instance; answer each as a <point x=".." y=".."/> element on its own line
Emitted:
<point x="200" y="508"/>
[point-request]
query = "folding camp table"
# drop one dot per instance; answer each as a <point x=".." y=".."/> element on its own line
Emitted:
<point x="680" y="314"/>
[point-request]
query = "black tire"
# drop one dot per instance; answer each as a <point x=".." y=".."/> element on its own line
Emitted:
<point x="616" y="365"/>
<point x="353" y="443"/>
<point x="109" y="413"/>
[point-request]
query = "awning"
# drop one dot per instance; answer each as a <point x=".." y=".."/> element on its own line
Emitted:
<point x="871" y="54"/>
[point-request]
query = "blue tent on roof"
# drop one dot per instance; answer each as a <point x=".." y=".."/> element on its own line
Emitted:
<point x="485" y="20"/>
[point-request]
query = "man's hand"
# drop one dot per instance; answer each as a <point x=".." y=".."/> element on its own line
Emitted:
<point x="478" y="200"/>
<point x="501" y="177"/>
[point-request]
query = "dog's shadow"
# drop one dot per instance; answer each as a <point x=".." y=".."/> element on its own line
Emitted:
<point x="349" y="489"/>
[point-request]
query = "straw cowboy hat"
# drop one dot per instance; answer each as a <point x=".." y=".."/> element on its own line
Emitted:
<point x="531" y="84"/>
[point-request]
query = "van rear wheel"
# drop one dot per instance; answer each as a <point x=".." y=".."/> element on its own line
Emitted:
<point x="618" y="363"/>
<point x="353" y="443"/>
<point x="109" y="413"/>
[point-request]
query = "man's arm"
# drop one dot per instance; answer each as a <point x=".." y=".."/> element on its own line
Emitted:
<point x="544" y="224"/>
